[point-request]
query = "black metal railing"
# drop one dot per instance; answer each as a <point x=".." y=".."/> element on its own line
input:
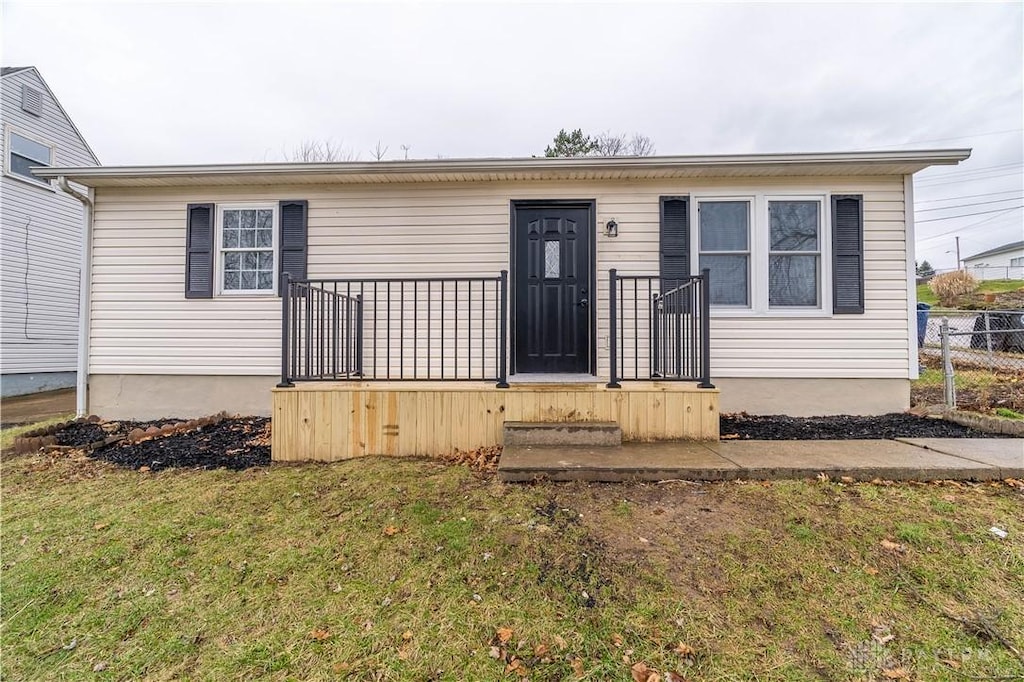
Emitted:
<point x="659" y="329"/>
<point x="395" y="329"/>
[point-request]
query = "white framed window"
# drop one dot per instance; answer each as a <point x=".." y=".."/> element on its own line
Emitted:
<point x="769" y="254"/>
<point x="24" y="151"/>
<point x="1017" y="262"/>
<point x="794" y="253"/>
<point x="246" y="249"/>
<point x="724" y="242"/>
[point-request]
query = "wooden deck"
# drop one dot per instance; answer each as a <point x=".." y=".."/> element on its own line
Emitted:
<point x="330" y="421"/>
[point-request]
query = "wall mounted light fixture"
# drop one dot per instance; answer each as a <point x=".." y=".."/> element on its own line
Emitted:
<point x="611" y="229"/>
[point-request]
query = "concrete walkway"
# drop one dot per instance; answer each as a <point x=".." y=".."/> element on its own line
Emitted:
<point x="920" y="459"/>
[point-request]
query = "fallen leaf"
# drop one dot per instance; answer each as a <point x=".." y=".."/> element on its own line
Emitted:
<point x="320" y="634"/>
<point x="504" y="635"/>
<point x="143" y="470"/>
<point x="577" y="667"/>
<point x="540" y="650"/>
<point x="892" y="546"/>
<point x="673" y="676"/>
<point x="495" y="653"/>
<point x="100" y="526"/>
<point x="390" y="530"/>
<point x="99" y="667"/>
<point x="955" y="665"/>
<point x="617" y="639"/>
<point x="846" y="479"/>
<point x="895" y="673"/>
<point x="339" y="668"/>
<point x="871" y="570"/>
<point x="407" y="635"/>
<point x="560" y="643"/>
<point x="517" y="666"/>
<point x="684" y="649"/>
<point x="640" y="671"/>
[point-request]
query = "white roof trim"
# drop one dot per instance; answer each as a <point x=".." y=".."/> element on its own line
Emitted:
<point x="884" y="163"/>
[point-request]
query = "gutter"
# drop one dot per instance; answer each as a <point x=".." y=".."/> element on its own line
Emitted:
<point x="927" y="157"/>
<point x="84" y="285"/>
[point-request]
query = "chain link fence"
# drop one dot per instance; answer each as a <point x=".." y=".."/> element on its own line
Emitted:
<point x="973" y="359"/>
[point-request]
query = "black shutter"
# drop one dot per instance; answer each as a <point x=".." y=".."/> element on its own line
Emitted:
<point x="675" y="238"/>
<point x="847" y="253"/>
<point x="674" y="248"/>
<point x="199" y="251"/>
<point x="292" y="245"/>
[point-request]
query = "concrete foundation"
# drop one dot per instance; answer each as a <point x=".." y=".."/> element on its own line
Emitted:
<point x="591" y="434"/>
<point x="814" y="397"/>
<point x="36" y="382"/>
<point x="154" y="396"/>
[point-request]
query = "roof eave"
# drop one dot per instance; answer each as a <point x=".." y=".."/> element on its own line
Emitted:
<point x="917" y="159"/>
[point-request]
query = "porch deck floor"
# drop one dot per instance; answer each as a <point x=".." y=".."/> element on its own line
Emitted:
<point x="922" y="459"/>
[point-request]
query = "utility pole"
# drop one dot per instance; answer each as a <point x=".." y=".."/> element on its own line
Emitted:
<point x="957" y="252"/>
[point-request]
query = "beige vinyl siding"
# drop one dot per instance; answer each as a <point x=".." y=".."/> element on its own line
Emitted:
<point x="40" y="243"/>
<point x="142" y="324"/>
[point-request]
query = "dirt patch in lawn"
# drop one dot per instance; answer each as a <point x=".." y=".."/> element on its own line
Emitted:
<point x="237" y="443"/>
<point x="842" y="427"/>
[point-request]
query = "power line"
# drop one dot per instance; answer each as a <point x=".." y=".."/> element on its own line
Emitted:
<point x="967" y="196"/>
<point x="976" y="203"/>
<point x="964" y="228"/>
<point x="979" y="178"/>
<point x="968" y="215"/>
<point x="945" y="139"/>
<point x="972" y="171"/>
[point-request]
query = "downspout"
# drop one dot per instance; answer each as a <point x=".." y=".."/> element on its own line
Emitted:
<point x="84" y="284"/>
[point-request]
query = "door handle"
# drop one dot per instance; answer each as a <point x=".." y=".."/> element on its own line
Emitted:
<point x="582" y="303"/>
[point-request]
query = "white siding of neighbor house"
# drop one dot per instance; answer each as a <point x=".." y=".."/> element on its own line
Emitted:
<point x="40" y="243"/>
<point x="996" y="266"/>
<point x="142" y="323"/>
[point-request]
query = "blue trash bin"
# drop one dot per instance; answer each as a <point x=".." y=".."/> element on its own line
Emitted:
<point x="922" y="322"/>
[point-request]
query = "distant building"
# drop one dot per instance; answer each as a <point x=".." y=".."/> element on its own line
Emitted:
<point x="1002" y="262"/>
<point x="41" y="231"/>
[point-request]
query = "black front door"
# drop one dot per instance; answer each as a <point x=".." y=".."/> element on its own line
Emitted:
<point x="552" y="272"/>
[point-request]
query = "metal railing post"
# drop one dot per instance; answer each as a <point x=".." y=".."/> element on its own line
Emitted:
<point x="613" y="313"/>
<point x="359" y="336"/>
<point x="655" y="340"/>
<point x="286" y="294"/>
<point x="503" y="327"/>
<point x="949" y="389"/>
<point x="705" y="329"/>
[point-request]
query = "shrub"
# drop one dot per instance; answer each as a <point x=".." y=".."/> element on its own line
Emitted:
<point x="951" y="285"/>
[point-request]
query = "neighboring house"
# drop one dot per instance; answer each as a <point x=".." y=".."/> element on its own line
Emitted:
<point x="398" y="288"/>
<point x="1002" y="262"/>
<point x="41" y="240"/>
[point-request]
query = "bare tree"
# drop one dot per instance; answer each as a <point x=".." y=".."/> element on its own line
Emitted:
<point x="639" y="145"/>
<point x="603" y="144"/>
<point x="320" y="151"/>
<point x="607" y="144"/>
<point x="378" y="152"/>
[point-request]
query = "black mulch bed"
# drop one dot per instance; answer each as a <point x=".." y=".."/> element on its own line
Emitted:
<point x="236" y="444"/>
<point x="896" y="425"/>
<point x="84" y="433"/>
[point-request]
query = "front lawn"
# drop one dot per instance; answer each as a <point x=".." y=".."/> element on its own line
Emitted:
<point x="386" y="569"/>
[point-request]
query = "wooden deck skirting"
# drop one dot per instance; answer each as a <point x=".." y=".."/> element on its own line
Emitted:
<point x="330" y="421"/>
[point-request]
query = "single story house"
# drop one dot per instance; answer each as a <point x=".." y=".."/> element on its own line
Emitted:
<point x="40" y="237"/>
<point x="414" y="306"/>
<point x="1002" y="262"/>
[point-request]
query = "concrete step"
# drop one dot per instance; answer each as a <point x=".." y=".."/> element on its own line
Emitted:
<point x="629" y="462"/>
<point x="591" y="434"/>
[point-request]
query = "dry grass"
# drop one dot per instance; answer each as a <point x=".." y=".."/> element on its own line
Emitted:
<point x="407" y="569"/>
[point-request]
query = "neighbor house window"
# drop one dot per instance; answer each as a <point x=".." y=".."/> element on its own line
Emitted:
<point x="724" y="238"/>
<point x="1017" y="262"/>
<point x="247" y="249"/>
<point x="23" y="153"/>
<point x="794" y="254"/>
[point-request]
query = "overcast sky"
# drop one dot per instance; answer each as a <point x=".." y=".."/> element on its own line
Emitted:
<point x="231" y="82"/>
